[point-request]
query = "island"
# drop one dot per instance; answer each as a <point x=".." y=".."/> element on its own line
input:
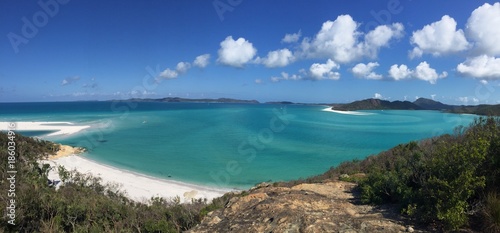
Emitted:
<point x="187" y="100"/>
<point x="419" y="104"/>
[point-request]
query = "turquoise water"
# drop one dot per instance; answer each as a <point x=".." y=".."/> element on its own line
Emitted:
<point x="230" y="145"/>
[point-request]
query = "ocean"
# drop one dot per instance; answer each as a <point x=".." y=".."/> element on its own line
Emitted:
<point x="228" y="145"/>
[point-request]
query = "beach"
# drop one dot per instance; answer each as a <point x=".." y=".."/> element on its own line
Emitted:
<point x="138" y="187"/>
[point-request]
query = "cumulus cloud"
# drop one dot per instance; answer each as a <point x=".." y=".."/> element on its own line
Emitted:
<point x="482" y="27"/>
<point x="484" y="82"/>
<point x="316" y="72"/>
<point x="339" y="40"/>
<point x="362" y="70"/>
<point x="378" y="96"/>
<point x="286" y="76"/>
<point x="423" y="72"/>
<point x="291" y="38"/>
<point x="438" y="38"/>
<point x="324" y="71"/>
<point x="69" y="80"/>
<point x="182" y="67"/>
<point x="482" y="66"/>
<point x="380" y="37"/>
<point x="169" y="74"/>
<point x="426" y="73"/>
<point x="236" y="53"/>
<point x="202" y="61"/>
<point x="399" y="72"/>
<point x="278" y="58"/>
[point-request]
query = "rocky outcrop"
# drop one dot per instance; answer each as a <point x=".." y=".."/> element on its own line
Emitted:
<point x="325" y="207"/>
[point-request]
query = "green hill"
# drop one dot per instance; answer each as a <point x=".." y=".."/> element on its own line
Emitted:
<point x="377" y="104"/>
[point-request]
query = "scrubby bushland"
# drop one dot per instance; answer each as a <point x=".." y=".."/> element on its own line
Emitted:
<point x="450" y="181"/>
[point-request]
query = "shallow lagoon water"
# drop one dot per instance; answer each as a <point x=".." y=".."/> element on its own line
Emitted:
<point x="230" y="145"/>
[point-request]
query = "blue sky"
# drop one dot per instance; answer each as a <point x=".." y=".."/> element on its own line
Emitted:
<point x="301" y="51"/>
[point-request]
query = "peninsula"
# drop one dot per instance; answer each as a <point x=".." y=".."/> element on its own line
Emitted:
<point x="419" y="104"/>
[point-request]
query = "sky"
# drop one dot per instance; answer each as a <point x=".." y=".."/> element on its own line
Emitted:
<point x="315" y="51"/>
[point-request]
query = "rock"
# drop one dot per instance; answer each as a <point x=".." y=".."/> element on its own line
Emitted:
<point x="321" y="207"/>
<point x="410" y="229"/>
<point x="214" y="220"/>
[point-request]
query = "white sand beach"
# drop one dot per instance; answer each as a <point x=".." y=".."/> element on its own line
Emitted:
<point x="138" y="187"/>
<point x="329" y="109"/>
<point x="61" y="128"/>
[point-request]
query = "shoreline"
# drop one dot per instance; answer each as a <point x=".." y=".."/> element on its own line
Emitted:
<point x="60" y="128"/>
<point x="329" y="109"/>
<point x="136" y="186"/>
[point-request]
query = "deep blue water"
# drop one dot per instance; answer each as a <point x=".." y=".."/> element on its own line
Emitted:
<point x="230" y="145"/>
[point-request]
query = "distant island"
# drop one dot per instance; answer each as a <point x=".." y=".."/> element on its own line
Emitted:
<point x="367" y="104"/>
<point x="419" y="104"/>
<point x="186" y="100"/>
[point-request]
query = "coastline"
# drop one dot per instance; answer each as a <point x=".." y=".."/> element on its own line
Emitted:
<point x="136" y="186"/>
<point x="329" y="109"/>
<point x="60" y="128"/>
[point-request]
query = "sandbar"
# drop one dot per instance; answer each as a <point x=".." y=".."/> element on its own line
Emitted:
<point x="61" y="128"/>
<point x="329" y="109"/>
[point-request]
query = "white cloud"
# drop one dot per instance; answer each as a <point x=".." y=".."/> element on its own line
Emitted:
<point x="169" y="74"/>
<point x="182" y="67"/>
<point x="378" y="96"/>
<point x="278" y="58"/>
<point x="433" y="96"/>
<point x="380" y="37"/>
<point x="275" y="79"/>
<point x="286" y="76"/>
<point x="69" y="80"/>
<point x="464" y="99"/>
<point x="324" y="71"/>
<point x="484" y="82"/>
<point x="482" y="27"/>
<point x="339" y="40"/>
<point x="423" y="72"/>
<point x="426" y="73"/>
<point x="482" y="66"/>
<point x="202" y="61"/>
<point x="439" y="38"/>
<point x="291" y="38"/>
<point x="362" y="70"/>
<point x="399" y="72"/>
<point x="236" y="53"/>
<point x="258" y="81"/>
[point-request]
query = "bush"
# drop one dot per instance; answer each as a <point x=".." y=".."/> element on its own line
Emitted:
<point x="439" y="178"/>
<point x="491" y="213"/>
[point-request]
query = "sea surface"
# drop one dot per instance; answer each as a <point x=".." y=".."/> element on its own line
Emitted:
<point x="229" y="145"/>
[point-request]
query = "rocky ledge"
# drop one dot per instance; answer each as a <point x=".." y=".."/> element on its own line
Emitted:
<point x="325" y="207"/>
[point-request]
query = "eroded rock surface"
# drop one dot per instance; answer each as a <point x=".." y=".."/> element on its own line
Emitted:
<point x="325" y="207"/>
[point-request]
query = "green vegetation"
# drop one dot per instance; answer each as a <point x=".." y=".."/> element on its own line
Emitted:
<point x="483" y="109"/>
<point x="83" y="204"/>
<point x="449" y="181"/>
<point x="377" y="104"/>
<point x="419" y="104"/>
